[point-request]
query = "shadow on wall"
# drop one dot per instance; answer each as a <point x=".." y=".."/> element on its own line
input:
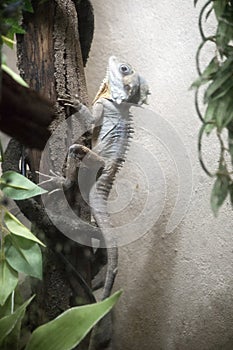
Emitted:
<point x="213" y="330"/>
<point x="143" y="313"/>
<point x="148" y="320"/>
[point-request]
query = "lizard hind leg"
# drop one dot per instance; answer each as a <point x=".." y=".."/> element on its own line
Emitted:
<point x="82" y="158"/>
<point x="83" y="154"/>
<point x="82" y="168"/>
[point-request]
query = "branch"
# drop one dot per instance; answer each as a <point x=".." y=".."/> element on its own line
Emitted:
<point x="25" y="114"/>
<point x="36" y="213"/>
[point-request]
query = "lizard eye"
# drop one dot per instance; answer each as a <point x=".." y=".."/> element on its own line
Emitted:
<point x="125" y="69"/>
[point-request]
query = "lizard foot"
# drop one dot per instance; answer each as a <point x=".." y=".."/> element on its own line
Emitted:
<point x="52" y="183"/>
<point x="85" y="156"/>
<point x="71" y="102"/>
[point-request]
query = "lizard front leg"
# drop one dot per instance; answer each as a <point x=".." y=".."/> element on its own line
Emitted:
<point x="78" y="156"/>
<point x="79" y="111"/>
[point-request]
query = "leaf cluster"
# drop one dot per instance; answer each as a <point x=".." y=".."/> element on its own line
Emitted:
<point x="10" y="17"/>
<point x="20" y="253"/>
<point x="218" y="95"/>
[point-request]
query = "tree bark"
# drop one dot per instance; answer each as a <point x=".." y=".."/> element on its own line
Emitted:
<point x="50" y="61"/>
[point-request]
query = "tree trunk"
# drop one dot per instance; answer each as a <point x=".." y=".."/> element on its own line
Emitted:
<point x="50" y="61"/>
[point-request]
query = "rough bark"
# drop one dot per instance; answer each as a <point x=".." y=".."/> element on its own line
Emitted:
<point x="50" y="61"/>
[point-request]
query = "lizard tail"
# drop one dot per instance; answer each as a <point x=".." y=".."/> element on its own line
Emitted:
<point x="114" y="158"/>
<point x="98" y="201"/>
<point x="111" y="272"/>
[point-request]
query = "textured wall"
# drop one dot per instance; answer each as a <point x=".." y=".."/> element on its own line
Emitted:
<point x="177" y="286"/>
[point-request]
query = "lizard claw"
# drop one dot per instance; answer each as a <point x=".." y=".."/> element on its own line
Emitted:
<point x="52" y="183"/>
<point x="71" y="102"/>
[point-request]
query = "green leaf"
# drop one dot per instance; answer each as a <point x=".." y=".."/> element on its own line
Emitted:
<point x="224" y="89"/>
<point x="11" y="15"/>
<point x="223" y="110"/>
<point x="231" y="193"/>
<point x="17" y="186"/>
<point x="12" y="340"/>
<point x="8" y="281"/>
<point x="23" y="255"/>
<point x="219" y="192"/>
<point x="220" y="112"/>
<point x="217" y="85"/>
<point x="8" y="323"/>
<point x="210" y="116"/>
<point x="28" y="6"/>
<point x="16" y="300"/>
<point x="221" y="76"/>
<point x="5" y="309"/>
<point x="68" y="329"/>
<point x="9" y="42"/>
<point x="15" y="27"/>
<point x="209" y="128"/>
<point x="18" y="229"/>
<point x="14" y="75"/>
<point x="225" y="28"/>
<point x="230" y="145"/>
<point x="228" y="117"/>
<point x="228" y="51"/>
<point x="208" y="74"/>
<point x="219" y="7"/>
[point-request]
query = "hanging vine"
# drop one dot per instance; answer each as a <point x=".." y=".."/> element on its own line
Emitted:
<point x="218" y="96"/>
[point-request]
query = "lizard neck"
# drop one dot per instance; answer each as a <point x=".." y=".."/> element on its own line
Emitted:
<point x="104" y="92"/>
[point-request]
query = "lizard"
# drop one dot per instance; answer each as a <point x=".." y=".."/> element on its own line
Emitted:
<point x="112" y="130"/>
<point x="111" y="137"/>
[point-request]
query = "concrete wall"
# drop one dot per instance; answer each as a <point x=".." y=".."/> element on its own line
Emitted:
<point x="177" y="285"/>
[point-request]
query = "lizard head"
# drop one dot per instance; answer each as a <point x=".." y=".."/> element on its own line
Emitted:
<point x="123" y="84"/>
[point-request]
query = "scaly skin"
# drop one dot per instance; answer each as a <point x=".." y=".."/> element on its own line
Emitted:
<point x="111" y="144"/>
<point x="113" y="128"/>
<point x="112" y="131"/>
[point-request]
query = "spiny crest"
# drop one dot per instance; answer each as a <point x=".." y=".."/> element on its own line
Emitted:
<point x="104" y="90"/>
